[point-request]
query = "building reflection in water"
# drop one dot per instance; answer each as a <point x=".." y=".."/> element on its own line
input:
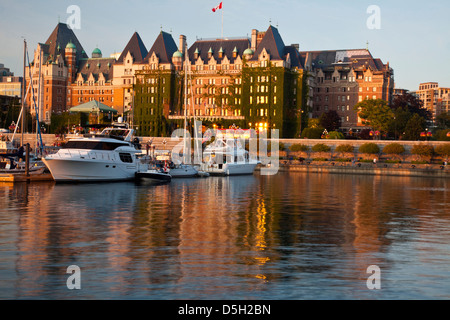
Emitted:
<point x="215" y="237"/>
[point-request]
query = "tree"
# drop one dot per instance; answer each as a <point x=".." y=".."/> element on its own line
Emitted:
<point x="398" y="124"/>
<point x="375" y="113"/>
<point x="443" y="121"/>
<point x="330" y="120"/>
<point x="414" y="127"/>
<point x="411" y="103"/>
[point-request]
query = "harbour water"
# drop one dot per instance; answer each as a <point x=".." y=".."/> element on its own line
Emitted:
<point x="285" y="237"/>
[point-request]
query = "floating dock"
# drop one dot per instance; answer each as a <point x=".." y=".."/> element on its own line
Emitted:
<point x="23" y="177"/>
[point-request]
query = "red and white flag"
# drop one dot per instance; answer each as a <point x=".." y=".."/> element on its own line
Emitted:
<point x="217" y="8"/>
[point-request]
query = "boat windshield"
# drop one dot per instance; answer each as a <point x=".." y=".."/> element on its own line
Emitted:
<point x="93" y="145"/>
<point x="116" y="132"/>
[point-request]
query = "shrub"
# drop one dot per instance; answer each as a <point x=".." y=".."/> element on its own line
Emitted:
<point x="344" y="148"/>
<point x="369" y="148"/>
<point x="394" y="148"/>
<point x="312" y="133"/>
<point x="443" y="150"/>
<point x="342" y="160"/>
<point x="392" y="161"/>
<point x="441" y="135"/>
<point x="299" y="147"/>
<point x="423" y="150"/>
<point x="320" y="147"/>
<point x="336" y="135"/>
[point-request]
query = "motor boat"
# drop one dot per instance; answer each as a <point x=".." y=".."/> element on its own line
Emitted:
<point x="153" y="176"/>
<point x="227" y="157"/>
<point x="176" y="170"/>
<point x="111" y="155"/>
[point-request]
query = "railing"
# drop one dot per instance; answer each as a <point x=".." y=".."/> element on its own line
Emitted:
<point x="90" y="155"/>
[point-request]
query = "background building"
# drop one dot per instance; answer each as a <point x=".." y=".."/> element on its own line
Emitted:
<point x="435" y="98"/>
<point x="342" y="78"/>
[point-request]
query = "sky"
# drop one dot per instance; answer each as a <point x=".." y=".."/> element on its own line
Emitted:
<point x="413" y="36"/>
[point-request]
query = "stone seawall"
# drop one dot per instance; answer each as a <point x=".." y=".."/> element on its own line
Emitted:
<point x="428" y="171"/>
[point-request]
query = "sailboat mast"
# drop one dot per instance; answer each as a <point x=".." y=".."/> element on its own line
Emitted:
<point x="23" y="93"/>
<point x="185" y="106"/>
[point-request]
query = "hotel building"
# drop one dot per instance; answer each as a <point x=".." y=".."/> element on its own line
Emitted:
<point x="257" y="82"/>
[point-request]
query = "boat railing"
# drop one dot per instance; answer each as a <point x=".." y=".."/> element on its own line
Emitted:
<point x="90" y="155"/>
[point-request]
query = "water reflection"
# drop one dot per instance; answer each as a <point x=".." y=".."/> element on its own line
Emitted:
<point x="288" y="236"/>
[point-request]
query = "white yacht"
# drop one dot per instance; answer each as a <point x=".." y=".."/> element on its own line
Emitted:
<point x="227" y="157"/>
<point x="111" y="155"/>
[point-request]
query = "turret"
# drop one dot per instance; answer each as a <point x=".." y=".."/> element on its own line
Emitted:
<point x="71" y="61"/>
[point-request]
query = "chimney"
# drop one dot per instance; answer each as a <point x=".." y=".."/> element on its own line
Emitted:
<point x="254" y="38"/>
<point x="296" y="46"/>
<point x="182" y="47"/>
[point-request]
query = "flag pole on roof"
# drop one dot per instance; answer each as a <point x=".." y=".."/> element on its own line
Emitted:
<point x="219" y="7"/>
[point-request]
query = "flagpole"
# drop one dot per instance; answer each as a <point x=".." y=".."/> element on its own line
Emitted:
<point x="222" y="22"/>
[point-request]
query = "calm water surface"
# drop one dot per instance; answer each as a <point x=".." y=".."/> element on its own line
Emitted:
<point x="290" y="236"/>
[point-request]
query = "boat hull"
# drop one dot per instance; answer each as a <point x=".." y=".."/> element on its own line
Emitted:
<point x="67" y="170"/>
<point x="231" y="169"/>
<point x="183" y="171"/>
<point x="153" y="177"/>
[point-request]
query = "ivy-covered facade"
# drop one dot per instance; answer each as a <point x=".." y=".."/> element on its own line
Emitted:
<point x="156" y="96"/>
<point x="273" y="99"/>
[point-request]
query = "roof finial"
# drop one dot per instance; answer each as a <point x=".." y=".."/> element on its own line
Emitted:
<point x="367" y="45"/>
